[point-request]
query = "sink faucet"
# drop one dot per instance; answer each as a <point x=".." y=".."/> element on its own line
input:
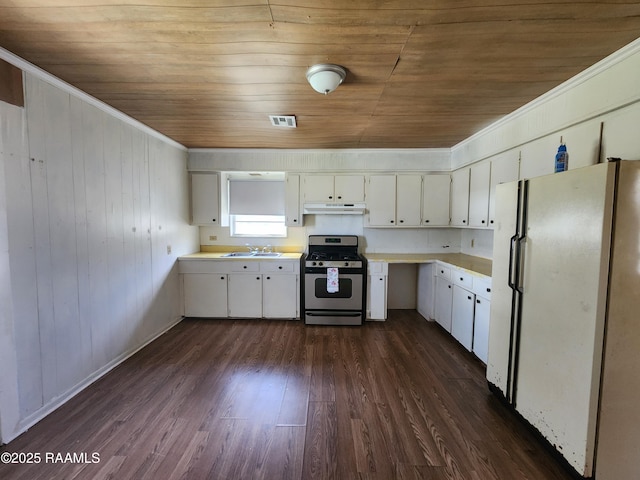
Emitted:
<point x="267" y="249"/>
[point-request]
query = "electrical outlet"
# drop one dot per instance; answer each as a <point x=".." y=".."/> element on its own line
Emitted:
<point x="168" y="249"/>
<point x="213" y="238"/>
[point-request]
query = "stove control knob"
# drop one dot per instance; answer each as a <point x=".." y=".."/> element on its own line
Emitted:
<point x="320" y="263"/>
<point x="346" y="264"/>
<point x="313" y="263"/>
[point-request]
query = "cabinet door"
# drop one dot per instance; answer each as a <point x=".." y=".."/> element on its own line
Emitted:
<point x="279" y="295"/>
<point x="462" y="316"/>
<point x="318" y="188"/>
<point x="481" y="328"/>
<point x="408" y="200"/>
<point x="460" y="198"/>
<point x="479" y="182"/>
<point x="377" y="297"/>
<point x="381" y="195"/>
<point x="349" y="188"/>
<point x="504" y="169"/>
<point x="444" y="296"/>
<point x="205" y="295"/>
<point x="436" y="191"/>
<point x="204" y="199"/>
<point x="292" y="201"/>
<point x="245" y="295"/>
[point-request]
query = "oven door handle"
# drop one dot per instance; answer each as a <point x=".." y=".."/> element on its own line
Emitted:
<point x="332" y="313"/>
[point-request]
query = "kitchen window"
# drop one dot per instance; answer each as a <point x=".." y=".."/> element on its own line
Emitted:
<point x="256" y="207"/>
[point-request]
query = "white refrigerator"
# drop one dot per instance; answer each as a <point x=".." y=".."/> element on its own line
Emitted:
<point x="564" y="341"/>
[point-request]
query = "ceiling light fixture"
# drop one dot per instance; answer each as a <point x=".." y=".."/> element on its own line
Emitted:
<point x="325" y="78"/>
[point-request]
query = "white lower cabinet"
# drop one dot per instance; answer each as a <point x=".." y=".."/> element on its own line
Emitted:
<point x="277" y="294"/>
<point x="377" y="290"/>
<point x="241" y="289"/>
<point x="245" y="295"/>
<point x="205" y="295"/>
<point x="462" y="312"/>
<point x="481" y="328"/>
<point x="444" y="298"/>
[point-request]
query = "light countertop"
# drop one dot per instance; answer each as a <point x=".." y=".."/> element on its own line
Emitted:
<point x="221" y="256"/>
<point x="478" y="265"/>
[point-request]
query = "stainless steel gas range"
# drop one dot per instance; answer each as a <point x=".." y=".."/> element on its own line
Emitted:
<point x="334" y="281"/>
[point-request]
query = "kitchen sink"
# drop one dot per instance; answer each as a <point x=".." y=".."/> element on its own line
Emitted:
<point x="252" y="254"/>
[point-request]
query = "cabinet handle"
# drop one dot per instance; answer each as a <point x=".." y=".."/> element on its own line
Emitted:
<point x="491" y="222"/>
<point x="295" y="220"/>
<point x="468" y="297"/>
<point x="391" y="221"/>
<point x="221" y="278"/>
<point x="461" y="279"/>
<point x="401" y="221"/>
<point x="441" y="271"/>
<point x="488" y="290"/>
<point x="426" y="221"/>
<point x="244" y="266"/>
<point x="449" y="286"/>
<point x="280" y="267"/>
<point x="268" y="278"/>
<point x="381" y="278"/>
<point x="330" y="197"/>
<point x="339" y="197"/>
<point x="213" y="220"/>
<point x="464" y="221"/>
<point x="477" y="301"/>
<point x="258" y="278"/>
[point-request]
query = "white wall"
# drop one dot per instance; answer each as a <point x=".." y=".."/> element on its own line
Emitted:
<point x="93" y="205"/>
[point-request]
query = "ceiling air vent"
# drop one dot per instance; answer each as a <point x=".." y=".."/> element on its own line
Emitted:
<point x="283" y="121"/>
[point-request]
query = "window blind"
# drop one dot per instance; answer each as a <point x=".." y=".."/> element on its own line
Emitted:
<point x="256" y="197"/>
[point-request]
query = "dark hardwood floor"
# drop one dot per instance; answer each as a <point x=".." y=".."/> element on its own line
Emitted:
<point x="259" y="399"/>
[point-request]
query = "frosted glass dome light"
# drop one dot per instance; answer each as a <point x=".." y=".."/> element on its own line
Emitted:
<point x="325" y="78"/>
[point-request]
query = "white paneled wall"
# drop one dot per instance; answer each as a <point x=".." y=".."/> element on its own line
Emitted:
<point x="97" y="213"/>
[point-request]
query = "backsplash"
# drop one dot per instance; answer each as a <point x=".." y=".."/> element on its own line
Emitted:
<point x="372" y="240"/>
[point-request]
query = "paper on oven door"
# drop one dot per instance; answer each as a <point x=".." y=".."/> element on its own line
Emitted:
<point x="333" y="284"/>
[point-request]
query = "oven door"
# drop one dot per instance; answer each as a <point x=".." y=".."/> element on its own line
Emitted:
<point x="348" y="297"/>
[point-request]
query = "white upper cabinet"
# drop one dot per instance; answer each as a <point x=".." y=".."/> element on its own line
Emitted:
<point x="460" y="198"/>
<point x="333" y="188"/>
<point x="205" y="203"/>
<point x="479" y="194"/>
<point x="292" y="212"/>
<point x="408" y="200"/>
<point x="436" y="190"/>
<point x="505" y="168"/>
<point x="394" y="200"/>
<point x="381" y="195"/>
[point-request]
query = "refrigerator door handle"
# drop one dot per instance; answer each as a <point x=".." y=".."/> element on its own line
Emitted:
<point x="520" y="264"/>
<point x="512" y="249"/>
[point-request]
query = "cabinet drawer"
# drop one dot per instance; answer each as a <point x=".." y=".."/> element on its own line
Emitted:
<point x="482" y="287"/>
<point x="378" y="268"/>
<point x="245" y="266"/>
<point x="443" y="272"/>
<point x="276" y="266"/>
<point x="462" y="278"/>
<point x="203" y="266"/>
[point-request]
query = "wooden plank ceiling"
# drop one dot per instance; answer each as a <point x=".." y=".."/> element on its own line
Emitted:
<point x="421" y="73"/>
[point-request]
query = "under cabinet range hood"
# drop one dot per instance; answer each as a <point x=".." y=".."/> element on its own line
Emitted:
<point x="334" y="208"/>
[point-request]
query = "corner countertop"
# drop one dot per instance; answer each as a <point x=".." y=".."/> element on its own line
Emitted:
<point x="473" y="264"/>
